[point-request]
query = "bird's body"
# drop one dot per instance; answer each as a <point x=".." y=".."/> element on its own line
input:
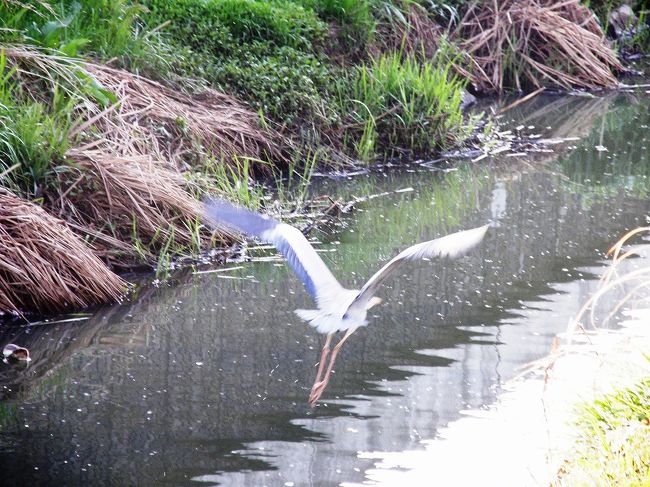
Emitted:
<point x="338" y="308"/>
<point x="338" y="315"/>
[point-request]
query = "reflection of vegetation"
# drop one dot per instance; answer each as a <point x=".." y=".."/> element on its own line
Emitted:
<point x="439" y="204"/>
<point x="564" y="116"/>
<point x="621" y="164"/>
<point x="8" y="415"/>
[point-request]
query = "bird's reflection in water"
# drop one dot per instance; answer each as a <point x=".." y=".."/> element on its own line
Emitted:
<point x="338" y="308"/>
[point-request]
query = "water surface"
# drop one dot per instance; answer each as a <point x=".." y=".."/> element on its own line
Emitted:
<point x="204" y="380"/>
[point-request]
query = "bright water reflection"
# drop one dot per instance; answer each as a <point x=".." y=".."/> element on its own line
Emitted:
<point x="207" y="379"/>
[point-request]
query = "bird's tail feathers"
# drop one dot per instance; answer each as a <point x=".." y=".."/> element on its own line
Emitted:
<point x="316" y="318"/>
<point x="308" y="314"/>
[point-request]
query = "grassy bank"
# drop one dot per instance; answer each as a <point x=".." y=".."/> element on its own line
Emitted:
<point x="116" y="117"/>
<point x="614" y="441"/>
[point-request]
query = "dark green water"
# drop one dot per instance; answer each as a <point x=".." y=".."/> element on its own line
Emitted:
<point x="205" y="380"/>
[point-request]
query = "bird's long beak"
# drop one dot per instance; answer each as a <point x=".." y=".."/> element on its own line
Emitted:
<point x="374" y="301"/>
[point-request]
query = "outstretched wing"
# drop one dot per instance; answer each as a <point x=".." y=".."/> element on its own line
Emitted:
<point x="451" y="246"/>
<point x="290" y="241"/>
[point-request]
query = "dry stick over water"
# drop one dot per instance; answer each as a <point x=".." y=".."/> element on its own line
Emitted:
<point x="44" y="266"/>
<point x="536" y="43"/>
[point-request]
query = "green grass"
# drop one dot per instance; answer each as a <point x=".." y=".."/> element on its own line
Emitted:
<point x="216" y="26"/>
<point x="265" y="53"/>
<point x="103" y="28"/>
<point x="614" y="446"/>
<point x="355" y="19"/>
<point x="33" y="135"/>
<point x="284" y="84"/>
<point x="402" y="104"/>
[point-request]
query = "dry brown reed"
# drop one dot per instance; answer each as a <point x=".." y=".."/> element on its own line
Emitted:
<point x="639" y="279"/>
<point x="117" y="200"/>
<point x="44" y="266"/>
<point x="523" y="43"/>
<point x="170" y="124"/>
<point x="417" y="34"/>
<point x="122" y="185"/>
<point x="157" y="120"/>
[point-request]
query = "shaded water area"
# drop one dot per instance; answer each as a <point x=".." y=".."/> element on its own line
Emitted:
<point x="205" y="380"/>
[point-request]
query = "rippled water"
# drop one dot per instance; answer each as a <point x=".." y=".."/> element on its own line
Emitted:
<point x="206" y="379"/>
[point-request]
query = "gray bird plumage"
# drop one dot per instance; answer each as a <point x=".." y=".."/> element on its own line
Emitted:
<point x="338" y="308"/>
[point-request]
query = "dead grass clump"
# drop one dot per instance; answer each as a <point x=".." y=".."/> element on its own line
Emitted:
<point x="412" y="33"/>
<point x="176" y="122"/>
<point x="122" y="186"/>
<point x="132" y="205"/>
<point x="534" y="43"/>
<point x="44" y="266"/>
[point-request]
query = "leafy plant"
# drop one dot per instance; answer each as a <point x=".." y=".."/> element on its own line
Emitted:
<point x="404" y="104"/>
<point x="215" y="25"/>
<point x="102" y="27"/>
<point x="286" y="85"/>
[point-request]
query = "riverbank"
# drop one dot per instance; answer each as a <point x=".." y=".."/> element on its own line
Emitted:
<point x="118" y="117"/>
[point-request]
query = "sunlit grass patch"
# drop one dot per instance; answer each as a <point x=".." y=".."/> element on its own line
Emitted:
<point x="614" y="445"/>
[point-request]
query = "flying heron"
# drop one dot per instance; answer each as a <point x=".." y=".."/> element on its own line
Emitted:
<point x="338" y="308"/>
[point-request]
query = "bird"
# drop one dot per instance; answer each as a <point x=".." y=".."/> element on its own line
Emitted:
<point x="12" y="351"/>
<point x="338" y="309"/>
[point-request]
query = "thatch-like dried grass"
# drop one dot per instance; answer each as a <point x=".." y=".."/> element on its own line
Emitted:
<point x="415" y="33"/>
<point x="44" y="266"/>
<point x="122" y="186"/>
<point x="517" y="44"/>
<point x="119" y="200"/>
<point x="174" y="122"/>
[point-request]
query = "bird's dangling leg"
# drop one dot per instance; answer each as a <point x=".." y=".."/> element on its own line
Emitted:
<point x="323" y="357"/>
<point x="319" y="386"/>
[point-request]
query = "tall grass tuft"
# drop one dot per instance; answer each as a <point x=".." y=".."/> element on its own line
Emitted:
<point x="402" y="104"/>
<point x="33" y="134"/>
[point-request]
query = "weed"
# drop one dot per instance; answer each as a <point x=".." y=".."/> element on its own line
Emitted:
<point x="101" y="27"/>
<point x="216" y="26"/>
<point x="355" y="20"/>
<point x="285" y="84"/>
<point x="402" y="104"/>
<point x="34" y="136"/>
<point x="615" y="443"/>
